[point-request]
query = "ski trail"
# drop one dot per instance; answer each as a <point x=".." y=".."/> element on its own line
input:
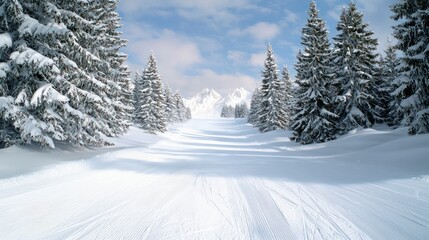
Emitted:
<point x="264" y="219"/>
<point x="319" y="218"/>
<point x="211" y="179"/>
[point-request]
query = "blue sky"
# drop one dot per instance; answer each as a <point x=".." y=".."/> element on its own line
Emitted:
<point x="221" y="44"/>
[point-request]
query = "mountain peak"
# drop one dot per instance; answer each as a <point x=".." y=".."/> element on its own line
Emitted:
<point x="209" y="103"/>
<point x="239" y="92"/>
<point x="239" y="95"/>
<point x="209" y="92"/>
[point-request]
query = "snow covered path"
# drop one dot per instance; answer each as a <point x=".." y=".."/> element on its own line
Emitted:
<point x="220" y="179"/>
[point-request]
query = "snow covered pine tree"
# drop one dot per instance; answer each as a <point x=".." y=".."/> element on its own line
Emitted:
<point x="183" y="113"/>
<point x="51" y="69"/>
<point x="389" y="73"/>
<point x="241" y="110"/>
<point x="287" y="94"/>
<point x="355" y="67"/>
<point x="150" y="99"/>
<point x="170" y="107"/>
<point x="227" y="111"/>
<point x="313" y="119"/>
<point x="32" y="107"/>
<point x="271" y="115"/>
<point x="254" y="107"/>
<point x="412" y="85"/>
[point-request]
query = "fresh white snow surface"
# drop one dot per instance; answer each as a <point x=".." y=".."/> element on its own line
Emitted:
<point x="220" y="179"/>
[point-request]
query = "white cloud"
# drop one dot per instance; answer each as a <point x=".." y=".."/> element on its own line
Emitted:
<point x="260" y="31"/>
<point x="372" y="6"/>
<point x="176" y="55"/>
<point x="235" y="56"/>
<point x="290" y="17"/>
<point x="172" y="50"/>
<point x="222" y="83"/>
<point x="218" y="11"/>
<point x="258" y="59"/>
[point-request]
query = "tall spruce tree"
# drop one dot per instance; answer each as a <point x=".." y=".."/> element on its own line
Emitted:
<point x="271" y="115"/>
<point x="254" y="107"/>
<point x="57" y="81"/>
<point x="183" y="113"/>
<point x="150" y="99"/>
<point x="241" y="110"/>
<point x="107" y="47"/>
<point x="287" y="94"/>
<point x="170" y="107"/>
<point x="85" y="86"/>
<point x="34" y="64"/>
<point x="313" y="119"/>
<point x="380" y="92"/>
<point x="390" y="65"/>
<point x="412" y="85"/>
<point x="355" y="66"/>
<point x="136" y="96"/>
<point x="227" y="111"/>
<point x="188" y="114"/>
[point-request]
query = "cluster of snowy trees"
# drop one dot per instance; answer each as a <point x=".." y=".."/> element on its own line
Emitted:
<point x="348" y="85"/>
<point x="227" y="111"/>
<point x="154" y="105"/>
<point x="62" y="74"/>
<point x="239" y="111"/>
<point x="271" y="102"/>
<point x="63" y="77"/>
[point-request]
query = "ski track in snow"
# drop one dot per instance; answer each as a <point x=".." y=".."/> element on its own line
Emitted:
<point x="220" y="179"/>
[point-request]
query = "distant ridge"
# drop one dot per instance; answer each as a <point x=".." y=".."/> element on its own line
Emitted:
<point x="209" y="103"/>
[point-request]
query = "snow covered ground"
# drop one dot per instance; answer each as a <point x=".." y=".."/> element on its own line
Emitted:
<point x="220" y="179"/>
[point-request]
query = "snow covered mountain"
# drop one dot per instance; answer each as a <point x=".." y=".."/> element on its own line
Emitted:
<point x="209" y="103"/>
<point x="239" y="95"/>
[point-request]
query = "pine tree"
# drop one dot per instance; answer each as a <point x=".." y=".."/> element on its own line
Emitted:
<point x="355" y="63"/>
<point x="313" y="119"/>
<point x="31" y="77"/>
<point x="390" y="64"/>
<point x="254" y="107"/>
<point x="107" y="47"/>
<point x="241" y="110"/>
<point x="86" y="86"/>
<point x="183" y="113"/>
<point x="150" y="99"/>
<point x="227" y="111"/>
<point x="170" y="107"/>
<point x="412" y="85"/>
<point x="287" y="94"/>
<point x="380" y="92"/>
<point x="188" y="115"/>
<point x="136" y="96"/>
<point x="59" y="84"/>
<point x="271" y="115"/>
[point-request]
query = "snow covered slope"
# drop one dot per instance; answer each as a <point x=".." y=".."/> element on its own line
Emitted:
<point x="209" y="103"/>
<point x="221" y="179"/>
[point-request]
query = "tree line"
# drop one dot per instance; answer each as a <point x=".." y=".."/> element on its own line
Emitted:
<point x="240" y="110"/>
<point x="63" y="77"/>
<point x="155" y="105"/>
<point x="348" y="85"/>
